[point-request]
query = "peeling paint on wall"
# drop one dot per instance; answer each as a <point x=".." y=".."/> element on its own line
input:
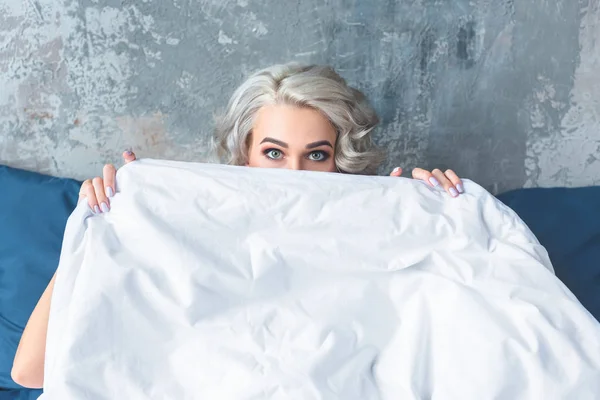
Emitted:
<point x="506" y="93"/>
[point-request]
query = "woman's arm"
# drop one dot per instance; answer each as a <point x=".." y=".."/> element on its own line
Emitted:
<point x="28" y="366"/>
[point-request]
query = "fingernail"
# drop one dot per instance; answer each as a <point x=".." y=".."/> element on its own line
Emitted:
<point x="96" y="209"/>
<point x="453" y="192"/>
<point x="460" y="188"/>
<point x="109" y="191"/>
<point x="104" y="207"/>
<point x="434" y="181"/>
<point x="128" y="152"/>
<point x="396" y="170"/>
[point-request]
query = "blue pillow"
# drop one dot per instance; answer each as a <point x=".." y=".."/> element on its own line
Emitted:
<point x="33" y="212"/>
<point x="567" y="223"/>
<point x="23" y="394"/>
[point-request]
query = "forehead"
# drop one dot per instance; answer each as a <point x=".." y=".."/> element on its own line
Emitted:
<point x="292" y="124"/>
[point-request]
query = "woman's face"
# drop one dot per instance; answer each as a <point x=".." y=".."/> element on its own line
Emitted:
<point x="292" y="137"/>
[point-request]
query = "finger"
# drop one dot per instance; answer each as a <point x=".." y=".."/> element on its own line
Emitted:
<point x="396" y="172"/>
<point x="425" y="176"/>
<point x="87" y="191"/>
<point x="445" y="182"/>
<point x="82" y="194"/>
<point x="456" y="181"/>
<point x="129" y="156"/>
<point x="109" y="172"/>
<point x="98" y="184"/>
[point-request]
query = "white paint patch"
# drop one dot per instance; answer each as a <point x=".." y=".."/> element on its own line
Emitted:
<point x="185" y="80"/>
<point x="251" y="22"/>
<point x="569" y="155"/>
<point x="107" y="22"/>
<point x="389" y="37"/>
<point x="260" y="29"/>
<point x="224" y="39"/>
<point x="305" y="54"/>
<point x="13" y="8"/>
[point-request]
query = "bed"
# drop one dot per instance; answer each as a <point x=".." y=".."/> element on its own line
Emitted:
<point x="35" y="209"/>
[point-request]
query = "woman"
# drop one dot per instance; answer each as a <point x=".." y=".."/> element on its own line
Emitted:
<point x="295" y="117"/>
<point x="286" y="116"/>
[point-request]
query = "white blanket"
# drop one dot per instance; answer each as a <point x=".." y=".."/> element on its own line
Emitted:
<point x="219" y="282"/>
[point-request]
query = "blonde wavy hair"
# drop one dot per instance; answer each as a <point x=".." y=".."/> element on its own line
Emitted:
<point x="314" y="86"/>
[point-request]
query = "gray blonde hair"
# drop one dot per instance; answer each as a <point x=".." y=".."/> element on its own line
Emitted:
<point x="312" y="86"/>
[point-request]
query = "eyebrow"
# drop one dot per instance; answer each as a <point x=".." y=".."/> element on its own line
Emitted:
<point x="319" y="143"/>
<point x="308" y="146"/>
<point x="277" y="142"/>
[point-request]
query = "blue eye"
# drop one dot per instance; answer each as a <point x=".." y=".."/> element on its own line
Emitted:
<point x="318" y="156"/>
<point x="273" y="154"/>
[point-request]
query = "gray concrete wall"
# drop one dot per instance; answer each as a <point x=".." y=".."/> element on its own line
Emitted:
<point x="505" y="92"/>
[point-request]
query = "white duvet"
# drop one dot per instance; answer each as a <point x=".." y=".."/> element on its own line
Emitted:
<point x="219" y="282"/>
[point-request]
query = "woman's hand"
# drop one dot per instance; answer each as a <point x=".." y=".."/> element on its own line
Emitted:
<point x="99" y="190"/>
<point x="448" y="180"/>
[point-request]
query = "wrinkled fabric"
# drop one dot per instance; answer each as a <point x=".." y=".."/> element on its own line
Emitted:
<point x="222" y="282"/>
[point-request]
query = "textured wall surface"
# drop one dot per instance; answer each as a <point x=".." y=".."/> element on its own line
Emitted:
<point x="505" y="92"/>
